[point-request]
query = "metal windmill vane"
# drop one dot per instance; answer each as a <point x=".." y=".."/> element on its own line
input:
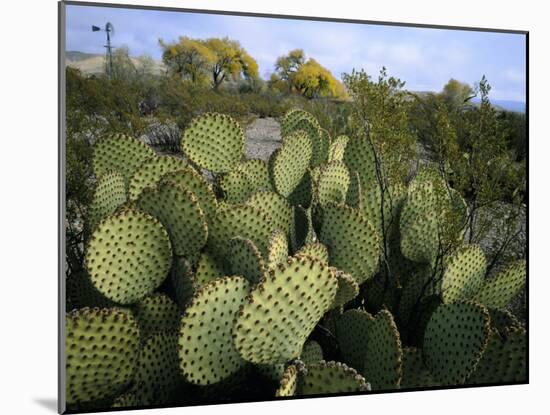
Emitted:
<point x="110" y="30"/>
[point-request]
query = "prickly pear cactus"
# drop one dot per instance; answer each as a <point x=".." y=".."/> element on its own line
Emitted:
<point x="337" y="148"/>
<point x="246" y="260"/>
<point x="88" y="348"/>
<point x="208" y="269"/>
<point x="257" y="172"/>
<point x="278" y="249"/>
<point x="288" y="383"/>
<point x="348" y="289"/>
<point x="454" y="341"/>
<point x="157" y="376"/>
<point x="190" y="180"/>
<point x="352" y="334"/>
<point x="276" y="208"/>
<point x="311" y="352"/>
<point x="384" y="356"/>
<point x="315" y="250"/>
<point x="464" y="274"/>
<point x="359" y="156"/>
<point x="110" y="193"/>
<point x="239" y="277"/>
<point x="214" y="142"/>
<point x="128" y="256"/>
<point x="331" y="377"/>
<point x="235" y="187"/>
<point x="332" y="184"/>
<point x="243" y="221"/>
<point x="498" y="291"/>
<point x="151" y="172"/>
<point x="180" y="213"/>
<point x="120" y="153"/>
<point x="352" y="242"/>
<point x="291" y="163"/>
<point x="205" y="346"/>
<point x="415" y="372"/>
<point x="157" y="313"/>
<point x="295" y="296"/>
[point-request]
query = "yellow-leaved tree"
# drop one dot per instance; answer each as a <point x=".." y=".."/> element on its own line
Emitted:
<point x="307" y="77"/>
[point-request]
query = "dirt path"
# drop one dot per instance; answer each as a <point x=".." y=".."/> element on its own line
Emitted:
<point x="263" y="137"/>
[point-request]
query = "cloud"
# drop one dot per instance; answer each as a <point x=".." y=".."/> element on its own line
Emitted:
<point x="514" y="75"/>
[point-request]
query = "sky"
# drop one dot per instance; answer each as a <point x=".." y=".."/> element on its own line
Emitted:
<point x="424" y="58"/>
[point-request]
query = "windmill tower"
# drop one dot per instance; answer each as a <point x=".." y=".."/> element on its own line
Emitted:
<point x="110" y="30"/>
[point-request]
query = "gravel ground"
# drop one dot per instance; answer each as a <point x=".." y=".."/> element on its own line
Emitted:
<point x="263" y="137"/>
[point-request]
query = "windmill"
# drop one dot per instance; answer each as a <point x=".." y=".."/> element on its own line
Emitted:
<point x="110" y="30"/>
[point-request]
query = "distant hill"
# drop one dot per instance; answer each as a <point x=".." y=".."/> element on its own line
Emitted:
<point x="94" y="63"/>
<point x="514" y="106"/>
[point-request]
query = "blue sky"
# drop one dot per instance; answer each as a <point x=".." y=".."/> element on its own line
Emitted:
<point x="425" y="58"/>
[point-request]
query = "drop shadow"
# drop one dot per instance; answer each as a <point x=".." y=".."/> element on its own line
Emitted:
<point x="48" y="403"/>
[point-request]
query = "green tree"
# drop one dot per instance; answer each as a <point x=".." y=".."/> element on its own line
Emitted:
<point x="308" y="78"/>
<point x="188" y="58"/>
<point x="230" y="61"/>
<point x="381" y="111"/>
<point x="286" y="66"/>
<point x="123" y="67"/>
<point x="456" y="94"/>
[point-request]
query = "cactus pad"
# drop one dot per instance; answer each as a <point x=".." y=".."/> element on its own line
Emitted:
<point x="206" y="351"/>
<point x="454" y="340"/>
<point x="337" y="148"/>
<point x="128" y="256"/>
<point x="348" y="289"/>
<point x="315" y="250"/>
<point x="331" y="377"/>
<point x="183" y="282"/>
<point x="498" y="291"/>
<point x="332" y="184"/>
<point x="278" y="249"/>
<point x="101" y="351"/>
<point x="257" y="172"/>
<point x="180" y="213"/>
<point x="208" y="269"/>
<point x="359" y="156"/>
<point x="151" y="172"/>
<point x="276" y="207"/>
<point x="288" y="383"/>
<point x="246" y="260"/>
<point x="504" y="358"/>
<point x="415" y="373"/>
<point x="302" y="230"/>
<point x="283" y="309"/>
<point x="351" y="333"/>
<point x="291" y="163"/>
<point x="157" y="374"/>
<point x="214" y="142"/>
<point x="119" y="153"/>
<point x="157" y="313"/>
<point x="419" y="224"/>
<point x="292" y="119"/>
<point x="463" y="274"/>
<point x="311" y="353"/>
<point x="383" y="362"/>
<point x="352" y="242"/>
<point x="189" y="179"/>
<point x="235" y="187"/>
<point x="109" y="193"/>
<point x="243" y="221"/>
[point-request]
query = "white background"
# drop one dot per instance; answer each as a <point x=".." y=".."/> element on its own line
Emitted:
<point x="28" y="203"/>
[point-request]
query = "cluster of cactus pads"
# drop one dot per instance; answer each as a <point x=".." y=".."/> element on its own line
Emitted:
<point x="303" y="275"/>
